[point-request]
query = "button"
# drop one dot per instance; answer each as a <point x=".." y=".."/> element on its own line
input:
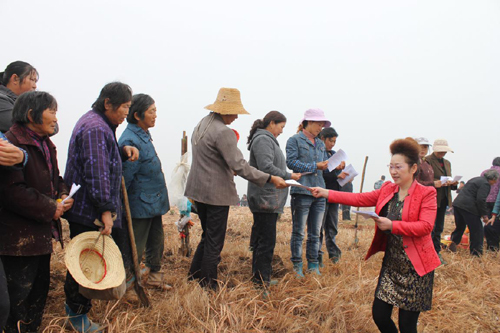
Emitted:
<point x="405" y="247"/>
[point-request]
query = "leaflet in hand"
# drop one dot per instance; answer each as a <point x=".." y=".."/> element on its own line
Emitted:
<point x="335" y="160"/>
<point x="366" y="215"/>
<point x="72" y="192"/>
<point x="445" y="179"/>
<point x="295" y="183"/>
<point x="352" y="173"/>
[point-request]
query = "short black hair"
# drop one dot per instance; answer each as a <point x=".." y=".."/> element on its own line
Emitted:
<point x="34" y="101"/>
<point x="20" y="68"/>
<point x="116" y="93"/>
<point x="328" y="132"/>
<point x="140" y="104"/>
<point x="496" y="161"/>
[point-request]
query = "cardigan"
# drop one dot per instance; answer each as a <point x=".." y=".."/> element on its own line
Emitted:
<point x="418" y="216"/>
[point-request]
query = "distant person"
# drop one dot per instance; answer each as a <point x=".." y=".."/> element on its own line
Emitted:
<point x="470" y="208"/>
<point x="267" y="202"/>
<point x="244" y="201"/>
<point x="403" y="230"/>
<point x="30" y="213"/>
<point x="492" y="228"/>
<point x="378" y="184"/>
<point x="210" y="184"/>
<point x="329" y="227"/>
<point x="146" y="188"/>
<point x="425" y="175"/>
<point x="305" y="152"/>
<point x="492" y="196"/>
<point x="346" y="209"/>
<point x="441" y="167"/>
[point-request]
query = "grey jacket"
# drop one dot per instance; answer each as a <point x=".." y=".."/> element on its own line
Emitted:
<point x="215" y="157"/>
<point x="7" y="100"/>
<point x="266" y="155"/>
<point x="472" y="198"/>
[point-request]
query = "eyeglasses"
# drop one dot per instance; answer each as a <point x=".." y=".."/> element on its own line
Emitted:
<point x="398" y="167"/>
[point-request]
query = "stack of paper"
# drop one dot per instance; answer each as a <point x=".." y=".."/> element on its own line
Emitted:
<point x="352" y="173"/>
<point x="445" y="179"/>
<point x="335" y="160"/>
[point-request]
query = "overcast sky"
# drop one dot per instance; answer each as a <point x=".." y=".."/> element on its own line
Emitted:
<point x="380" y="70"/>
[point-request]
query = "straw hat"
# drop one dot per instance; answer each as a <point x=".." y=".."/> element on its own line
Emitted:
<point x="441" y="146"/>
<point x="92" y="268"/>
<point x="228" y="102"/>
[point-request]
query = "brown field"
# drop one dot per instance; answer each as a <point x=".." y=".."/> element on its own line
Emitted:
<point x="466" y="291"/>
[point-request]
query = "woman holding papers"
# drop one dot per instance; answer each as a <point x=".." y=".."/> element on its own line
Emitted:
<point x="305" y="152"/>
<point x="29" y="218"/>
<point x="266" y="202"/>
<point x="406" y="211"/>
<point x="469" y="208"/>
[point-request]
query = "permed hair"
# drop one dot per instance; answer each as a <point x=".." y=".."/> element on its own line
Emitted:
<point x="409" y="148"/>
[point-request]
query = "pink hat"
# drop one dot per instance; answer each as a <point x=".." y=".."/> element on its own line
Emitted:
<point x="316" y="115"/>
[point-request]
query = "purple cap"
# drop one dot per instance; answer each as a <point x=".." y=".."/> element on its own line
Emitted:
<point x="316" y="115"/>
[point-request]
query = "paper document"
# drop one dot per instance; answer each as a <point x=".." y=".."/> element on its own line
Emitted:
<point x="352" y="173"/>
<point x="336" y="159"/>
<point x="444" y="179"/>
<point x="366" y="215"/>
<point x="295" y="183"/>
<point x="305" y="173"/>
<point x="73" y="190"/>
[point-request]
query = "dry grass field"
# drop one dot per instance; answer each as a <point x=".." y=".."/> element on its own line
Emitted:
<point x="466" y="291"/>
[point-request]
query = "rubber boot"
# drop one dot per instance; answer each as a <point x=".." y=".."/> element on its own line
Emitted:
<point x="320" y="261"/>
<point x="313" y="267"/>
<point x="297" y="268"/>
<point x="81" y="322"/>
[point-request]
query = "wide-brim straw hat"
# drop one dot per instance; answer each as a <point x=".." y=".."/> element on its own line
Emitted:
<point x="228" y="102"/>
<point x="316" y="115"/>
<point x="441" y="146"/>
<point x="93" y="266"/>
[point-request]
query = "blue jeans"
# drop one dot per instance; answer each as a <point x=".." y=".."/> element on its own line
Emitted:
<point x="310" y="210"/>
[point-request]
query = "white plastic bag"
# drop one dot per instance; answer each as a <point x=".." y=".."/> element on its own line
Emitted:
<point x="177" y="184"/>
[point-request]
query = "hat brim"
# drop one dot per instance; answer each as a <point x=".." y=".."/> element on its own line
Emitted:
<point x="328" y="123"/>
<point x="111" y="257"/>
<point x="227" y="108"/>
<point x="442" y="149"/>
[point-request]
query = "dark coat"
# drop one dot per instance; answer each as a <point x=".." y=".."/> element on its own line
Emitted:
<point x="444" y="191"/>
<point x="472" y="197"/>
<point x="26" y="202"/>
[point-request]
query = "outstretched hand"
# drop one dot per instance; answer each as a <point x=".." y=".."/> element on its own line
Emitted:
<point x="278" y="182"/>
<point x="319" y="192"/>
<point x="131" y="152"/>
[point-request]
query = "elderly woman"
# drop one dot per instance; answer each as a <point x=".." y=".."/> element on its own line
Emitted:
<point x="425" y="175"/>
<point x="146" y="187"/>
<point x="29" y="218"/>
<point x="469" y="208"/>
<point x="266" y="202"/>
<point x="406" y="211"/>
<point x="305" y="152"/>
<point x="95" y="162"/>
<point x="216" y="159"/>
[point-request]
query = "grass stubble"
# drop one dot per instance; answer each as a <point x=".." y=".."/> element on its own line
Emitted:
<point x="466" y="291"/>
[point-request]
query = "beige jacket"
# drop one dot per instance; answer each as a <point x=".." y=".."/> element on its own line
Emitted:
<point x="215" y="157"/>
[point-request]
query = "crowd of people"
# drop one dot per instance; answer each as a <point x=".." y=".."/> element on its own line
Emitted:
<point x="34" y="196"/>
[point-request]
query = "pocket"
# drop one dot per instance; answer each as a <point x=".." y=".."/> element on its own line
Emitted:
<point x="150" y="198"/>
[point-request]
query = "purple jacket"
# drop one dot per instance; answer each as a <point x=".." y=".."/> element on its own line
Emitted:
<point x="494" y="188"/>
<point x="94" y="162"/>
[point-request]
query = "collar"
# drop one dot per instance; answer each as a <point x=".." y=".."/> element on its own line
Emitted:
<point x="304" y="137"/>
<point x="112" y="126"/>
<point x="143" y="135"/>
<point x="8" y="92"/>
<point x="23" y="137"/>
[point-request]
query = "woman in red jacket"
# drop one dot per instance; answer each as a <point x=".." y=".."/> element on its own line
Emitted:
<point x="406" y="211"/>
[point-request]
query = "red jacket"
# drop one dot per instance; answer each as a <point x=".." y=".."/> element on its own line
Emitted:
<point x="419" y="213"/>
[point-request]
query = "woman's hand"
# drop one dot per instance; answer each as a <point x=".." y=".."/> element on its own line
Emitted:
<point x="341" y="166"/>
<point x="59" y="211"/>
<point x="437" y="184"/>
<point x="68" y="203"/>
<point x="9" y="154"/>
<point x="278" y="182"/>
<point x="131" y="152"/>
<point x="343" y="175"/>
<point x="383" y="223"/>
<point x="296" y="176"/>
<point x="322" y="165"/>
<point x="107" y="219"/>
<point x="492" y="220"/>
<point x="319" y="192"/>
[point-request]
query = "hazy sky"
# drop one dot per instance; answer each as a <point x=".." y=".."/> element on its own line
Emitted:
<point x="380" y="70"/>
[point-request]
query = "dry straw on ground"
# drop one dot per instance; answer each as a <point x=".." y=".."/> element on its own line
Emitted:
<point x="466" y="291"/>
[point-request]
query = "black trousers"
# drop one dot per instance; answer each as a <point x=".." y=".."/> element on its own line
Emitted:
<point x="439" y="225"/>
<point x="382" y="312"/>
<point x="253" y="236"/>
<point x="463" y="219"/>
<point x="329" y="230"/>
<point x="263" y="251"/>
<point x="4" y="298"/>
<point x="28" y="281"/>
<point x="207" y="256"/>
<point x="77" y="302"/>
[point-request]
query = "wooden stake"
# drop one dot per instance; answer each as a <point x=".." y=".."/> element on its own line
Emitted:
<point x="356" y="240"/>
<point x="185" y="249"/>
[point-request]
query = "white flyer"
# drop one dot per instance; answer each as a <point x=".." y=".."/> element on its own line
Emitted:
<point x="352" y="173"/>
<point x="295" y="183"/>
<point x="74" y="189"/>
<point x="336" y="159"/>
<point x="366" y="215"/>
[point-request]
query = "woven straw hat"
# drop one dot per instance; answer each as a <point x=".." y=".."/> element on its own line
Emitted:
<point x="228" y="102"/>
<point x="92" y="268"/>
<point x="441" y="146"/>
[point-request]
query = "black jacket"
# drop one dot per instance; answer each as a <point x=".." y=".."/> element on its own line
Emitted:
<point x="472" y="197"/>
